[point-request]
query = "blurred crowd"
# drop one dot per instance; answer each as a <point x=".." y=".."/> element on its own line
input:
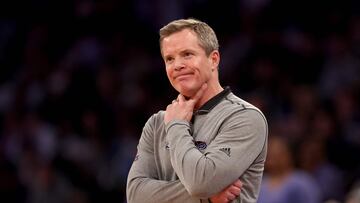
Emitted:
<point x="79" y="79"/>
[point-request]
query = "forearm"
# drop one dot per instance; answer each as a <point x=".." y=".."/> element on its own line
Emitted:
<point x="200" y="174"/>
<point x="205" y="174"/>
<point x="148" y="190"/>
<point x="143" y="182"/>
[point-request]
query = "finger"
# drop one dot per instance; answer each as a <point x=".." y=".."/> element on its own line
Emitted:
<point x="234" y="190"/>
<point x="181" y="98"/>
<point x="238" y="183"/>
<point x="224" y="199"/>
<point x="230" y="196"/>
<point x="199" y="93"/>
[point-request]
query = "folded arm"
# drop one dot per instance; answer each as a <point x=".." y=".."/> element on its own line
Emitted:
<point x="143" y="184"/>
<point x="240" y="140"/>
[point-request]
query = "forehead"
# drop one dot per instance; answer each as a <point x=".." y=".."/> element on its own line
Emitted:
<point x="178" y="41"/>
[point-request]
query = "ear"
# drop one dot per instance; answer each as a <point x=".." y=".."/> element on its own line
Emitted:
<point x="215" y="58"/>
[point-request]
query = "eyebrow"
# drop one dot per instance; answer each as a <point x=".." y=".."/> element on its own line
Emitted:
<point x="182" y="51"/>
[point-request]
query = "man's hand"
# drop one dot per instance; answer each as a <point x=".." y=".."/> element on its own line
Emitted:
<point x="228" y="194"/>
<point x="182" y="109"/>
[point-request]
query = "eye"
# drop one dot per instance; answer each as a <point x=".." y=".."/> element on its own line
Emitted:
<point x="188" y="54"/>
<point x="169" y="59"/>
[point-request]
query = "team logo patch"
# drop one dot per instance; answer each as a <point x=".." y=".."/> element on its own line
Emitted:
<point x="200" y="145"/>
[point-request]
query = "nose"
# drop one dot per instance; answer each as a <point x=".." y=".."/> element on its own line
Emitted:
<point x="179" y="64"/>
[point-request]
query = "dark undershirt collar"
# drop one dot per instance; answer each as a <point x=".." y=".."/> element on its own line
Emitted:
<point x="206" y="108"/>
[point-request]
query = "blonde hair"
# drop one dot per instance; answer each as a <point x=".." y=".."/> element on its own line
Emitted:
<point x="205" y="34"/>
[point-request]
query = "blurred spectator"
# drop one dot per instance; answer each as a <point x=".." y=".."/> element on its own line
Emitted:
<point x="48" y="186"/>
<point x="353" y="195"/>
<point x="313" y="160"/>
<point x="341" y="67"/>
<point x="282" y="182"/>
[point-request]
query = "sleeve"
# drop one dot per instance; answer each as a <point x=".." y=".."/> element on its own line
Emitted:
<point x="143" y="184"/>
<point x="240" y="140"/>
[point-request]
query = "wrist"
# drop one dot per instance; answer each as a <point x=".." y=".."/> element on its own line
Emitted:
<point x="174" y="123"/>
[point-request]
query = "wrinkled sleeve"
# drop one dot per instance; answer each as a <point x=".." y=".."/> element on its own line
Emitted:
<point x="240" y="140"/>
<point x="143" y="184"/>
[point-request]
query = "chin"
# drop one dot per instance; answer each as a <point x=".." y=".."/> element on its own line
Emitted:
<point x="187" y="92"/>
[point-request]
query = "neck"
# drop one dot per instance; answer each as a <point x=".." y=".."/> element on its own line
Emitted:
<point x="210" y="92"/>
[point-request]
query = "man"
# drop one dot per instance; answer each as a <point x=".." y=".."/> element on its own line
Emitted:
<point x="283" y="183"/>
<point x="207" y="139"/>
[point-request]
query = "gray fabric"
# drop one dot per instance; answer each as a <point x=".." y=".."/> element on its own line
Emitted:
<point x="169" y="167"/>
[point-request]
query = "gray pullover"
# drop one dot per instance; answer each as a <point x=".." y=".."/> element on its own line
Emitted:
<point x="190" y="162"/>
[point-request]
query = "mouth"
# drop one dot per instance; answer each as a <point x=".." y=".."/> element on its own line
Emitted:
<point x="183" y="76"/>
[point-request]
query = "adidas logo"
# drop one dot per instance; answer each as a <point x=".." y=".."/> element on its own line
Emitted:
<point x="227" y="151"/>
<point x="167" y="146"/>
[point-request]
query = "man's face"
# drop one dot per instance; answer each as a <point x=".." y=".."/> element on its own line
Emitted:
<point x="187" y="65"/>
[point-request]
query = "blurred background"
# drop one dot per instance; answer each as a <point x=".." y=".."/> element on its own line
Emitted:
<point x="79" y="79"/>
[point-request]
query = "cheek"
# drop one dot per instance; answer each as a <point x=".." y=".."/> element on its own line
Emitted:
<point x="204" y="73"/>
<point x="168" y="73"/>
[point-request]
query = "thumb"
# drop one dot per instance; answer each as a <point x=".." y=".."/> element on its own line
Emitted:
<point x="181" y="98"/>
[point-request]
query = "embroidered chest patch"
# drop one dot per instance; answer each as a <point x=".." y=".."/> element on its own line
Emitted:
<point x="200" y="145"/>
